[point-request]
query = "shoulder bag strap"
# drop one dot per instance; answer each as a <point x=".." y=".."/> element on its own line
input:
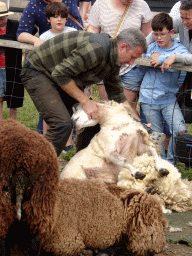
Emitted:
<point x="76" y="21"/>
<point x="121" y="21"/>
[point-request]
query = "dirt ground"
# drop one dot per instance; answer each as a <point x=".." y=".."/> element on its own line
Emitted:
<point x="177" y="249"/>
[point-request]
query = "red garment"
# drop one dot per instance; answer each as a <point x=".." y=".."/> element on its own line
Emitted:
<point x="2" y="50"/>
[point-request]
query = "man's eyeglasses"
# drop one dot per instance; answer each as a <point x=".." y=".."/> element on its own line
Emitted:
<point x="161" y="35"/>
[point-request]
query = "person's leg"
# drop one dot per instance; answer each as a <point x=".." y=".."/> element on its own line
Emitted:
<point x="131" y="82"/>
<point x="2" y="90"/>
<point x="153" y="115"/>
<point x="40" y="125"/>
<point x="50" y="105"/>
<point x="102" y="92"/>
<point x="1" y="108"/>
<point x="13" y="113"/>
<point x="165" y="129"/>
<point x="174" y="118"/>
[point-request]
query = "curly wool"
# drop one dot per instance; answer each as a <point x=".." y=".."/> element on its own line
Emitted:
<point x="175" y="192"/>
<point x="27" y="155"/>
<point x="91" y="214"/>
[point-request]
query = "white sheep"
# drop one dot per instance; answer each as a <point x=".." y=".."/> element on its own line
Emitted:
<point x="175" y="192"/>
<point x="119" y="141"/>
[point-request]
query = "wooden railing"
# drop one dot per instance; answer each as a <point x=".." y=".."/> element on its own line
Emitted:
<point x="139" y="61"/>
<point x="177" y="66"/>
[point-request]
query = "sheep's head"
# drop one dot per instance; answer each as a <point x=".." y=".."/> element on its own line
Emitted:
<point x="80" y="118"/>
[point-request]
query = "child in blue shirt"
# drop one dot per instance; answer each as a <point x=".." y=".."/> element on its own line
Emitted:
<point x="158" y="90"/>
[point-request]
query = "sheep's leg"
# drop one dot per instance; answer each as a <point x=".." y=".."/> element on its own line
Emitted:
<point x="159" y="166"/>
<point x="123" y="162"/>
<point x="143" y="148"/>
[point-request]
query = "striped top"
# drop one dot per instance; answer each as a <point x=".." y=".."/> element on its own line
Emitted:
<point x="104" y="16"/>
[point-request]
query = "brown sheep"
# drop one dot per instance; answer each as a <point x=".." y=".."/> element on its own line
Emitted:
<point x="68" y="215"/>
<point x="91" y="214"/>
<point x="29" y="161"/>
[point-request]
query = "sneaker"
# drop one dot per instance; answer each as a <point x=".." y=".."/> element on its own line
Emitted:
<point x="158" y="137"/>
<point x="66" y="149"/>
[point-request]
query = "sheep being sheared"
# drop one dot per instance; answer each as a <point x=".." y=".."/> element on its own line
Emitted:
<point x="176" y="193"/>
<point x="119" y="141"/>
<point x="29" y="165"/>
<point x="90" y="214"/>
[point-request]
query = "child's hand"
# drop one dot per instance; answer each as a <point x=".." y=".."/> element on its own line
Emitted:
<point x="155" y="59"/>
<point x="168" y="62"/>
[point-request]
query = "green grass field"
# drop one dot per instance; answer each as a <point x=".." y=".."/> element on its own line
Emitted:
<point x="29" y="116"/>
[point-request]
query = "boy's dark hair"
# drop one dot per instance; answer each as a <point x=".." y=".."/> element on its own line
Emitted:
<point x="186" y="5"/>
<point x="55" y="9"/>
<point x="162" y="20"/>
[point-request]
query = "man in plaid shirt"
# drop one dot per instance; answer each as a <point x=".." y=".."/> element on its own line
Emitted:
<point x="57" y="72"/>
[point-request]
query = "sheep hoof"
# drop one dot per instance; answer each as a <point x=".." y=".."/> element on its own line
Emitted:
<point x="139" y="175"/>
<point x="163" y="172"/>
<point x="150" y="190"/>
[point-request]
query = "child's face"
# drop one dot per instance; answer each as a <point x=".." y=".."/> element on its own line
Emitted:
<point x="164" y="37"/>
<point x="3" y="21"/>
<point x="57" y="23"/>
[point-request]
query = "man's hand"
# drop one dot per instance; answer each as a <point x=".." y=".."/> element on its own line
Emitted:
<point x="91" y="109"/>
<point x="155" y="59"/>
<point x="168" y="62"/>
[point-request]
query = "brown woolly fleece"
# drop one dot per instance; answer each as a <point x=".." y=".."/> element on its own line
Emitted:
<point x="91" y="214"/>
<point x="28" y="157"/>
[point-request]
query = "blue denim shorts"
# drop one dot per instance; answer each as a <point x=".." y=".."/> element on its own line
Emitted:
<point x="132" y="79"/>
<point x="2" y="82"/>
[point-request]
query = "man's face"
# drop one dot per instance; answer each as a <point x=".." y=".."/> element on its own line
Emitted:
<point x="128" y="56"/>
<point x="164" y="37"/>
<point x="186" y="17"/>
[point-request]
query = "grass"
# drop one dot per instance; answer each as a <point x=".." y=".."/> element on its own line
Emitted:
<point x="29" y="116"/>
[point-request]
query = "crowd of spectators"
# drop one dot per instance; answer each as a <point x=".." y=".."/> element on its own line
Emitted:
<point x="112" y="17"/>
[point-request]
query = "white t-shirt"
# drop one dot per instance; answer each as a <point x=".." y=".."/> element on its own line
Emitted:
<point x="175" y="11"/>
<point x="48" y="34"/>
<point x="104" y="16"/>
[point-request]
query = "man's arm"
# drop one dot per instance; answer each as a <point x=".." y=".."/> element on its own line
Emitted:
<point x="93" y="29"/>
<point x="89" y="106"/>
<point x="146" y="28"/>
<point x="83" y="9"/>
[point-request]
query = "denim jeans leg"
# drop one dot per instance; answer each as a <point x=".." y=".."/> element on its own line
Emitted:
<point x="40" y="125"/>
<point x="174" y="118"/>
<point x="47" y="99"/>
<point x="153" y="115"/>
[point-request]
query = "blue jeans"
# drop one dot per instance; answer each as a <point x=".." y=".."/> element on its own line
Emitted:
<point x="40" y="125"/>
<point x="174" y="118"/>
<point x="165" y="125"/>
<point x="132" y="79"/>
<point x="2" y="82"/>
